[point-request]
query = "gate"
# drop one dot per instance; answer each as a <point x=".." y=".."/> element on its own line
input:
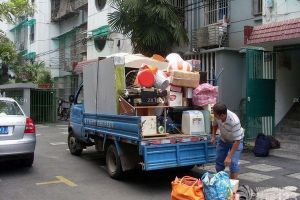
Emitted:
<point x="43" y="105"/>
<point x="260" y="104"/>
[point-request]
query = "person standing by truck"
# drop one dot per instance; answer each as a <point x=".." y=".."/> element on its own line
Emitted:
<point x="230" y="142"/>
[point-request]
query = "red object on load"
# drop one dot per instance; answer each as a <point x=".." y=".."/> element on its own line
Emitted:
<point x="145" y="78"/>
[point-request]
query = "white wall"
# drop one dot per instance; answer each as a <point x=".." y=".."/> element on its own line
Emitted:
<point x="281" y="10"/>
<point x="287" y="85"/>
<point x="96" y="19"/>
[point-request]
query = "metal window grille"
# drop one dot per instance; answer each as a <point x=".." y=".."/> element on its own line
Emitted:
<point x="208" y="62"/>
<point x="215" y="10"/>
<point x="257" y="7"/>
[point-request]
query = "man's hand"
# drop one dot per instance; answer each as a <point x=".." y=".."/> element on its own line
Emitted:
<point x="213" y="139"/>
<point x="227" y="161"/>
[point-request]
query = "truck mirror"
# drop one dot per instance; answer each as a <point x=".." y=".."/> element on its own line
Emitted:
<point x="71" y="98"/>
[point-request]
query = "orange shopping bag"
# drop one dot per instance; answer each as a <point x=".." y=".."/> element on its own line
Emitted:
<point x="187" y="188"/>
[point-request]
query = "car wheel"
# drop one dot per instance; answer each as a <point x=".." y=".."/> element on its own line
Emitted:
<point x="113" y="162"/>
<point x="28" y="161"/>
<point x="75" y="145"/>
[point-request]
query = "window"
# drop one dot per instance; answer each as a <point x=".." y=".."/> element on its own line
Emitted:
<point x="100" y="4"/>
<point x="100" y="43"/>
<point x="9" y="108"/>
<point x="257" y="7"/>
<point x="80" y="96"/>
<point x="32" y="33"/>
<point x="215" y="10"/>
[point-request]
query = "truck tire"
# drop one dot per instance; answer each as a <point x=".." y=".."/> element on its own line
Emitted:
<point x="75" y="145"/>
<point x="113" y="162"/>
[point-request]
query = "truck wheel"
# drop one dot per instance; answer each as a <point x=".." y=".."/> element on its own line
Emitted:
<point x="113" y="162"/>
<point x="75" y="145"/>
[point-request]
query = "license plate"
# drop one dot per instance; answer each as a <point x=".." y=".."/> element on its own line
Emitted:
<point x="3" y="130"/>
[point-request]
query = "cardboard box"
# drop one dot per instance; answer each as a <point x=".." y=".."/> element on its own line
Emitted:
<point x="185" y="79"/>
<point x="175" y="99"/>
<point x="149" y="125"/>
<point x="234" y="185"/>
<point x="175" y="88"/>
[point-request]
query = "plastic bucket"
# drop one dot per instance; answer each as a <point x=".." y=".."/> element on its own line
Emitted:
<point x="161" y="80"/>
<point x="145" y="78"/>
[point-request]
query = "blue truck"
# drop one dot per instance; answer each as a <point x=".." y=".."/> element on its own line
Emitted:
<point x="95" y="120"/>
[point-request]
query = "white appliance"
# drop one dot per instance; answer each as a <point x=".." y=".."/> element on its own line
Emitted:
<point x="149" y="125"/>
<point x="193" y="122"/>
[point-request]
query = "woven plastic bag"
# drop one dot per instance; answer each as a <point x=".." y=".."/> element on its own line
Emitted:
<point x="205" y="94"/>
<point x="217" y="186"/>
<point x="187" y="188"/>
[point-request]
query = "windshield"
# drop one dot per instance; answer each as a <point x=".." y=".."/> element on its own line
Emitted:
<point x="9" y="108"/>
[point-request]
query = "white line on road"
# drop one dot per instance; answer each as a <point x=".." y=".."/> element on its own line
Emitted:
<point x="63" y="128"/>
<point x="38" y="134"/>
<point x="64" y="133"/>
<point x="62" y="125"/>
<point x="57" y="143"/>
<point x="41" y="126"/>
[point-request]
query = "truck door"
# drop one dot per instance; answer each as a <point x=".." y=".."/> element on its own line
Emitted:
<point x="77" y="114"/>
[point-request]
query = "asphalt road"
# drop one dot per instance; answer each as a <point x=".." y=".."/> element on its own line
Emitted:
<point x="57" y="175"/>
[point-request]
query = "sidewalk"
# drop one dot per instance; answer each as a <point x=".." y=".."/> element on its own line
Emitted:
<point x="272" y="177"/>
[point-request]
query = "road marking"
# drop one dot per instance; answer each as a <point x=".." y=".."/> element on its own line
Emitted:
<point x="60" y="179"/>
<point x="38" y="134"/>
<point x="62" y="125"/>
<point x="41" y="126"/>
<point x="64" y="133"/>
<point x="57" y="143"/>
<point x="63" y="128"/>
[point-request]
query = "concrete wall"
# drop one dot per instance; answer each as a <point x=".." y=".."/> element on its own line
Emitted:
<point x="96" y="19"/>
<point x="287" y="84"/>
<point x="241" y="15"/>
<point x="231" y="79"/>
<point x="281" y="10"/>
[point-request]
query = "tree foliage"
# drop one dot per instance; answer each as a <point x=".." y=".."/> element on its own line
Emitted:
<point x="153" y="26"/>
<point x="33" y="72"/>
<point x="11" y="10"/>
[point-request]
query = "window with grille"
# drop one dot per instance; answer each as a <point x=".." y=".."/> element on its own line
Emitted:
<point x="215" y="10"/>
<point x="257" y="7"/>
<point x="32" y="33"/>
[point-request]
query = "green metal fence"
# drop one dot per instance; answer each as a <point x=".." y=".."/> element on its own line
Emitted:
<point x="260" y="102"/>
<point x="43" y="106"/>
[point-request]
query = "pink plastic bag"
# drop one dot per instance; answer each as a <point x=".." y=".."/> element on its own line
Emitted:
<point x="205" y="94"/>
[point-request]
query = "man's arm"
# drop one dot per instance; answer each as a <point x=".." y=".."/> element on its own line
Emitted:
<point x="213" y="134"/>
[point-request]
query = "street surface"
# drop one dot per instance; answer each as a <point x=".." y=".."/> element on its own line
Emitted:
<point x="57" y="175"/>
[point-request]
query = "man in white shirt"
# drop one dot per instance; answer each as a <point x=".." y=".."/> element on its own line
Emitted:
<point x="230" y="143"/>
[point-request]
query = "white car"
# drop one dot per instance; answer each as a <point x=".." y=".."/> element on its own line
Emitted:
<point x="17" y="133"/>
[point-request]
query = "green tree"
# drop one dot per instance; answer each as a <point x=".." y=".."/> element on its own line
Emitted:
<point x="11" y="10"/>
<point x="8" y="56"/>
<point x="153" y="26"/>
<point x="33" y="72"/>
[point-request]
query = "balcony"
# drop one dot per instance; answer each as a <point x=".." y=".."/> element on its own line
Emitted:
<point x="211" y="36"/>
<point x="80" y="4"/>
<point x="63" y="9"/>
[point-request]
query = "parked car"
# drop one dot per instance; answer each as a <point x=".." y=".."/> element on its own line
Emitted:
<point x="17" y="133"/>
